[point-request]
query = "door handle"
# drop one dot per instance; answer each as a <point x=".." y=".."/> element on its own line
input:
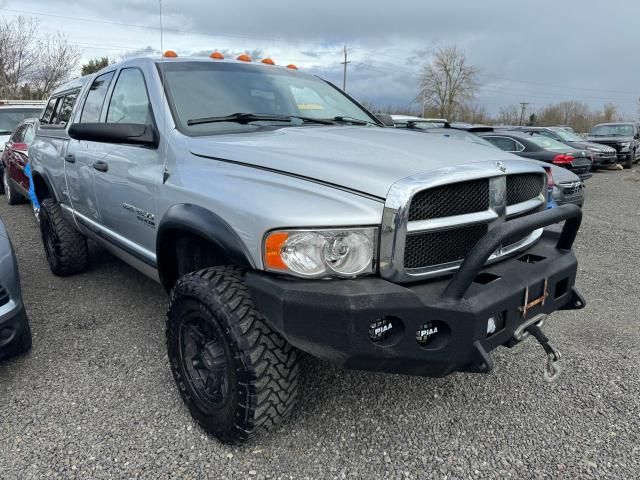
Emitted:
<point x="70" y="157"/>
<point x="101" y="166"/>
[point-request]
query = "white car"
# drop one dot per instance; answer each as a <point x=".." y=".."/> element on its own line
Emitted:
<point x="13" y="112"/>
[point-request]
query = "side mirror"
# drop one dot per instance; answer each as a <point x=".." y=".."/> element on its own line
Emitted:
<point x="386" y="119"/>
<point x="127" y="133"/>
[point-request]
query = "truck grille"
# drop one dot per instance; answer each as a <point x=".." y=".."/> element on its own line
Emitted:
<point x="430" y="231"/>
<point x="571" y="189"/>
<point x="450" y="200"/>
<point x="523" y="187"/>
<point x="436" y="248"/>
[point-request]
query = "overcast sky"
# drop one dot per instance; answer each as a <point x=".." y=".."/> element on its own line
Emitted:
<point x="538" y="52"/>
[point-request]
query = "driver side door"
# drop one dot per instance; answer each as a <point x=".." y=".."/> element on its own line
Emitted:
<point x="130" y="175"/>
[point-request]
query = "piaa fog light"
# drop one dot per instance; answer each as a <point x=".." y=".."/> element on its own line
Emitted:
<point x="426" y="332"/>
<point x="380" y="329"/>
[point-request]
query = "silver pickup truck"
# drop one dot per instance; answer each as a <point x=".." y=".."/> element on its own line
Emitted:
<point x="283" y="216"/>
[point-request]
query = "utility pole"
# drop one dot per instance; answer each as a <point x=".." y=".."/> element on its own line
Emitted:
<point x="524" y="107"/>
<point x="345" y="63"/>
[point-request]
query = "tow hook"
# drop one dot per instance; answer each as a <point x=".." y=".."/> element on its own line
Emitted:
<point x="552" y="368"/>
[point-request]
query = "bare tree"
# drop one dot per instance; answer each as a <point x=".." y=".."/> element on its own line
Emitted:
<point x="448" y="81"/>
<point x="57" y="63"/>
<point x="509" y="115"/>
<point x="473" y="113"/>
<point x="18" y="54"/>
<point x="31" y="67"/>
<point x="610" y="112"/>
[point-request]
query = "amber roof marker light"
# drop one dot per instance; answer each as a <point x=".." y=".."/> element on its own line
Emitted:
<point x="244" y="58"/>
<point x="170" y="54"/>
<point x="217" y="56"/>
<point x="292" y="66"/>
<point x="268" y="61"/>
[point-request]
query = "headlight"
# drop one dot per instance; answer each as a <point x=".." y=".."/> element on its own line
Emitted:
<point x="625" y="146"/>
<point x="347" y="252"/>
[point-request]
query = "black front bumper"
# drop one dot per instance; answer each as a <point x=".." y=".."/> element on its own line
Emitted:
<point x="605" y="161"/>
<point x="332" y="319"/>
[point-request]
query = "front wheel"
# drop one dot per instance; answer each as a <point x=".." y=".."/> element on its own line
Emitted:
<point x="237" y="376"/>
<point x="630" y="161"/>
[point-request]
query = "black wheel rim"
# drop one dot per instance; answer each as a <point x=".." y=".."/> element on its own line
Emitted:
<point x="204" y="361"/>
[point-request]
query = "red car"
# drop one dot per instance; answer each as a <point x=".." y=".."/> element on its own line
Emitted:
<point x="14" y="160"/>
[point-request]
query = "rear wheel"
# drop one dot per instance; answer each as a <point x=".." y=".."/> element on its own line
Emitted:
<point x="237" y="376"/>
<point x="13" y="196"/>
<point x="65" y="247"/>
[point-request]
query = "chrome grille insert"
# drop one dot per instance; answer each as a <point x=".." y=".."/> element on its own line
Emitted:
<point x="444" y="246"/>
<point x="523" y="187"/>
<point x="433" y="219"/>
<point x="450" y="200"/>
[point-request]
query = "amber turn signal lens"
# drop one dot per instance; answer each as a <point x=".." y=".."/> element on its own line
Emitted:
<point x="272" y="248"/>
<point x="244" y="58"/>
<point x="170" y="54"/>
<point x="217" y="56"/>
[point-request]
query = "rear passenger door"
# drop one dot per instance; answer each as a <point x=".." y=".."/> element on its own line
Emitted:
<point x="81" y="155"/>
<point x="53" y="139"/>
<point x="131" y="174"/>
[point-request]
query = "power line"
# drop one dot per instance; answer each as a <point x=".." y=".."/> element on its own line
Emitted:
<point x="145" y="27"/>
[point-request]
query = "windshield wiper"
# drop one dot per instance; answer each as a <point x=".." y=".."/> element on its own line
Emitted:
<point x="351" y="120"/>
<point x="5" y="132"/>
<point x="245" y="118"/>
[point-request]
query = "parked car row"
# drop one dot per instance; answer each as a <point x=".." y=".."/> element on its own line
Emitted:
<point x="15" y="133"/>
<point x="564" y="184"/>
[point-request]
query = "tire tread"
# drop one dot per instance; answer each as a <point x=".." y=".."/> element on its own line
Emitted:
<point x="268" y="372"/>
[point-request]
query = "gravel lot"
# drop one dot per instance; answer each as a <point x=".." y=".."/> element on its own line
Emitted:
<point x="95" y="397"/>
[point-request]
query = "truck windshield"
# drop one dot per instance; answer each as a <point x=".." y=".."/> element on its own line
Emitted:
<point x="612" y="130"/>
<point x="10" y="118"/>
<point x="216" y="90"/>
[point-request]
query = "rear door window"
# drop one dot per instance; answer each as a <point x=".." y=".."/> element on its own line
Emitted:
<point x="504" y="143"/>
<point x="48" y="111"/>
<point x="95" y="99"/>
<point x="65" y="109"/>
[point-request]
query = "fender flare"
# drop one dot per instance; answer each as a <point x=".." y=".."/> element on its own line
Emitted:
<point x="40" y="175"/>
<point x="206" y="224"/>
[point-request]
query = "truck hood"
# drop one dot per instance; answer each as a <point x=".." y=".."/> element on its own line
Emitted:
<point x="610" y="139"/>
<point x="364" y="159"/>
